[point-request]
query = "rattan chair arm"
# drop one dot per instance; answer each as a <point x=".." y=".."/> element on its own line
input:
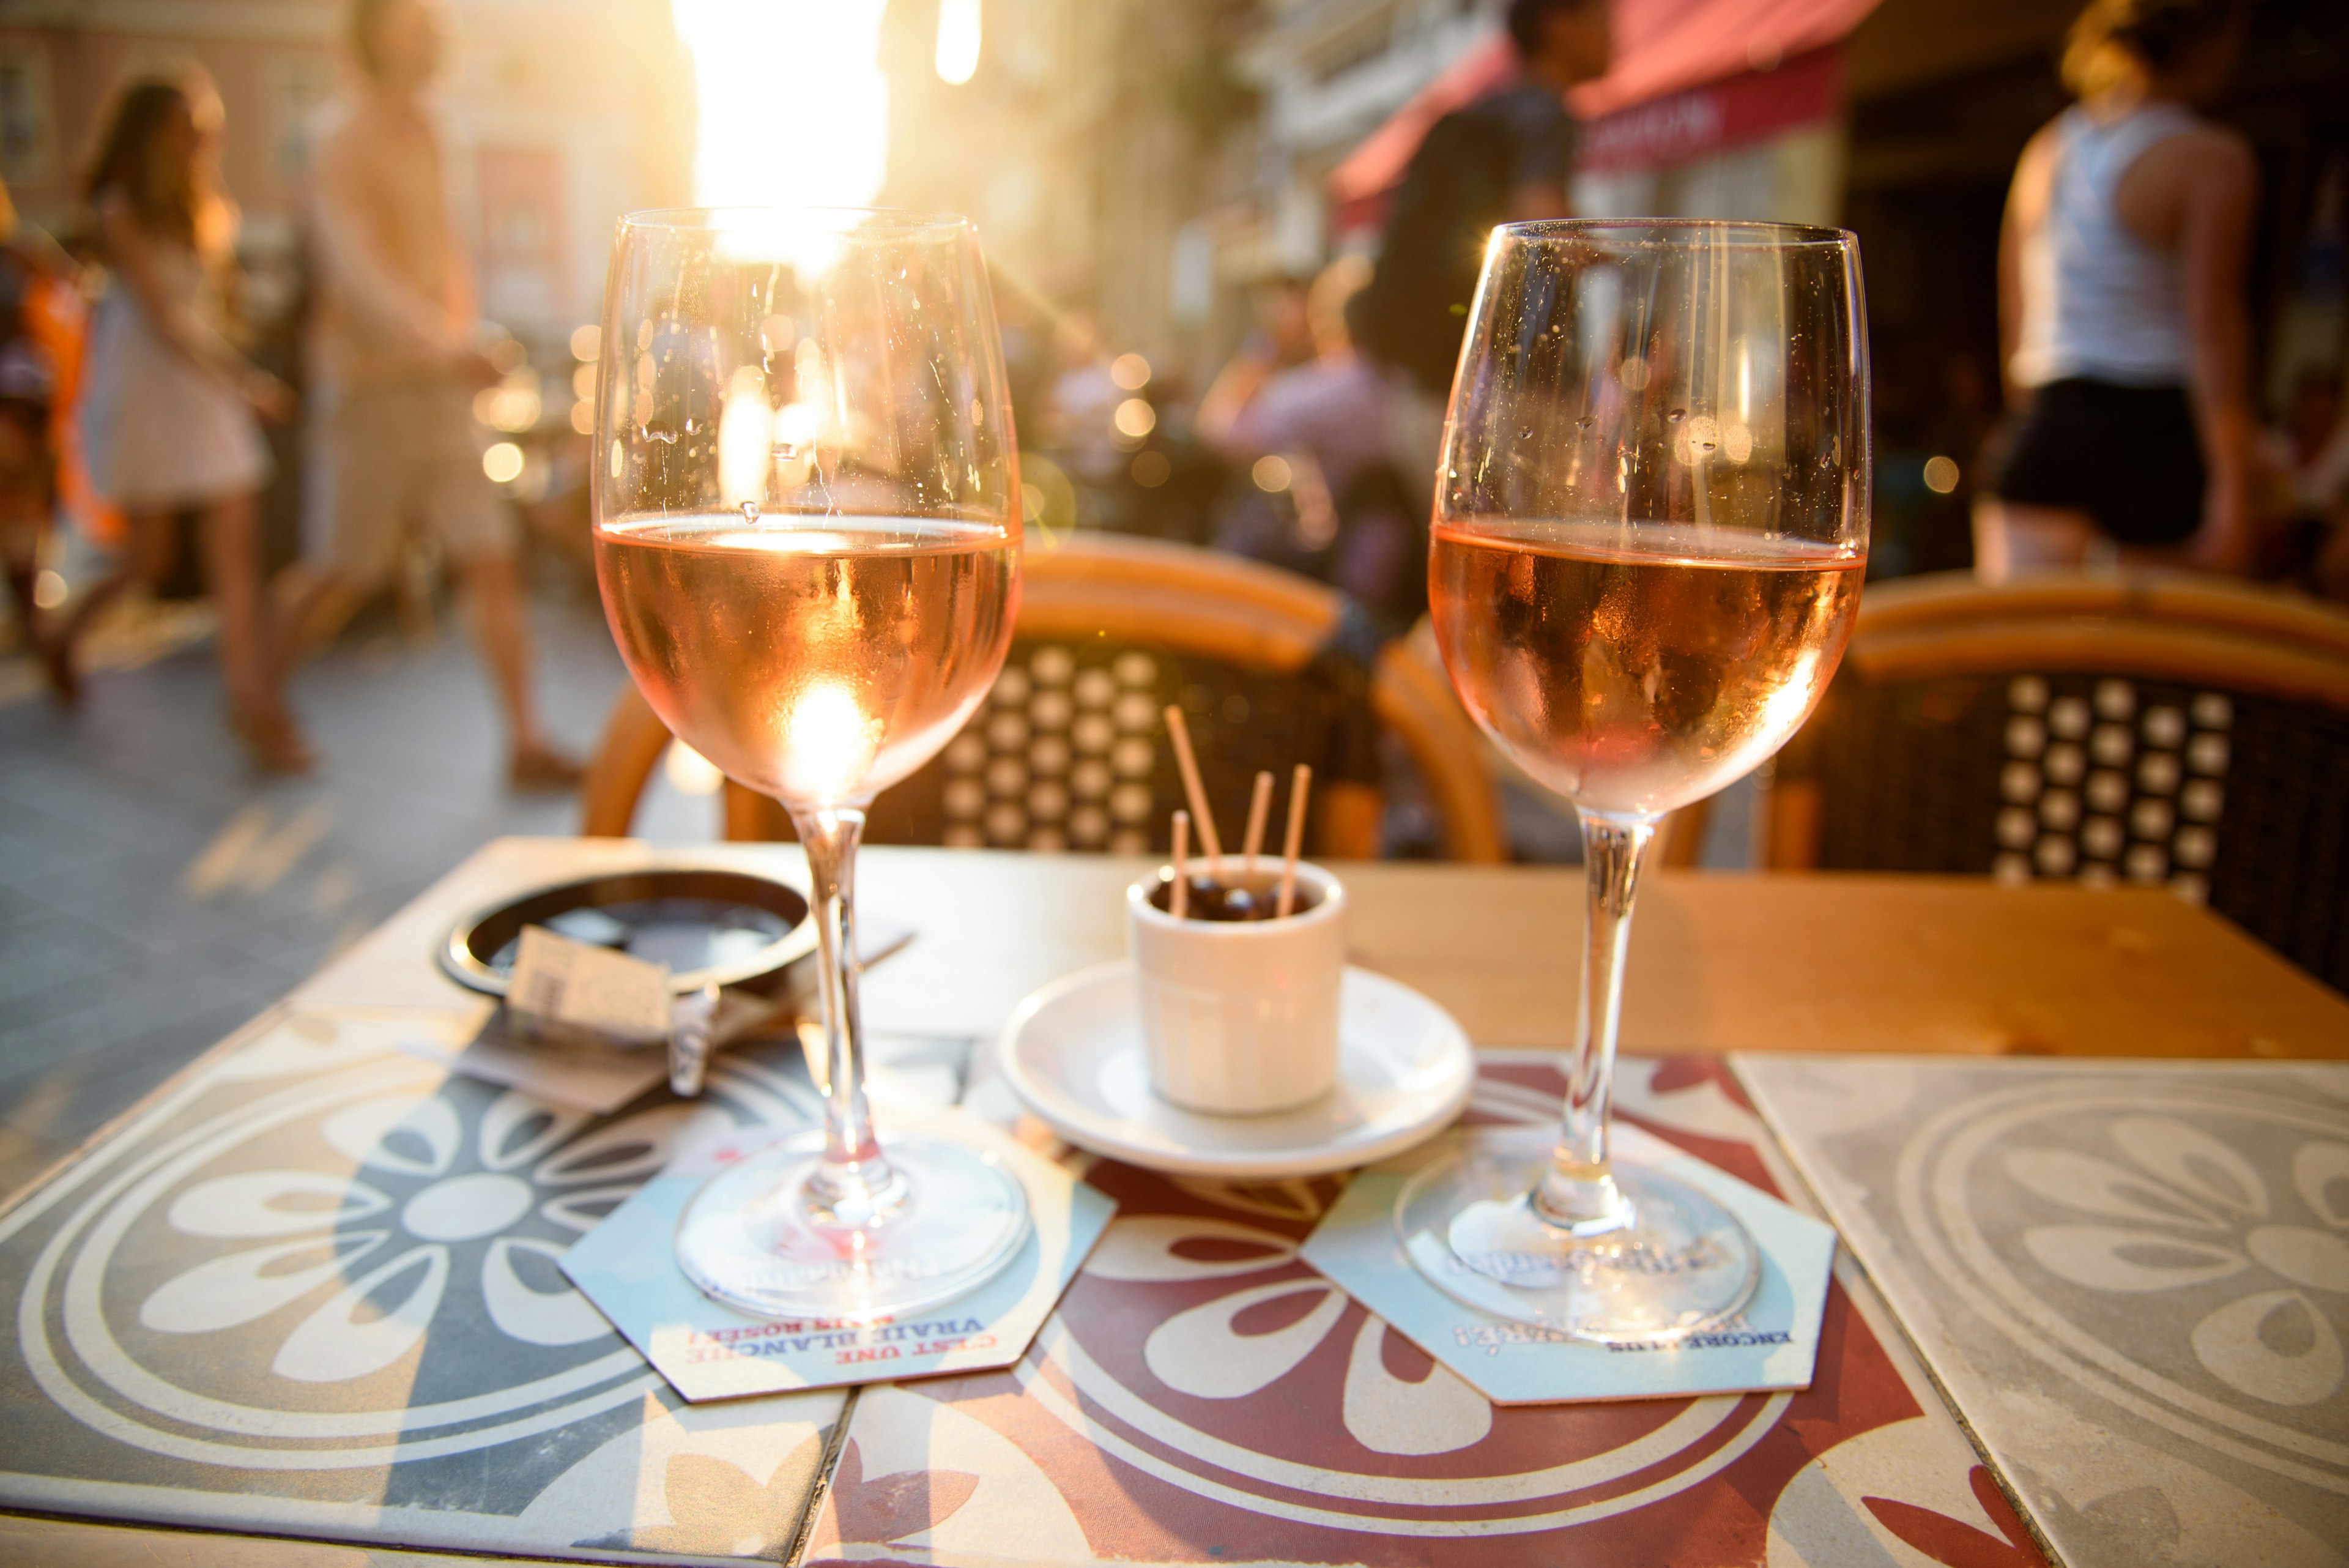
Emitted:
<point x="2174" y="598"/>
<point x="2106" y="646"/>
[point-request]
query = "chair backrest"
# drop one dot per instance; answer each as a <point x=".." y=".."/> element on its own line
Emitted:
<point x="2157" y="727"/>
<point x="1069" y="750"/>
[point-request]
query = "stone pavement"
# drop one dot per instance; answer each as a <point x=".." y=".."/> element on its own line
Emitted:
<point x="155" y="892"/>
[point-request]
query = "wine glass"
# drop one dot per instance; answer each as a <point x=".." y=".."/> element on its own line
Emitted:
<point x="807" y="534"/>
<point x="1651" y="527"/>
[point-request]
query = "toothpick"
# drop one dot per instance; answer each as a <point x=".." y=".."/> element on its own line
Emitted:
<point x="1260" y="803"/>
<point x="1194" y="790"/>
<point x="1178" y="902"/>
<point x="1298" y="787"/>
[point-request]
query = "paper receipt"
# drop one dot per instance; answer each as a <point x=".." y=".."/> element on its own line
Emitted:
<point x="576" y="986"/>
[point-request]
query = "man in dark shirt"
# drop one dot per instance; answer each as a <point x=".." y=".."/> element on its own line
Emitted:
<point x="1503" y="159"/>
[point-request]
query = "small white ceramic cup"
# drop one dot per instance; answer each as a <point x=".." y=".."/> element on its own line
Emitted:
<point x="1240" y="1017"/>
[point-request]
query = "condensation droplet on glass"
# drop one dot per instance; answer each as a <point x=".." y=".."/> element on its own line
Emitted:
<point x="751" y="512"/>
<point x="1585" y="422"/>
<point x="662" y="433"/>
<point x="1677" y="415"/>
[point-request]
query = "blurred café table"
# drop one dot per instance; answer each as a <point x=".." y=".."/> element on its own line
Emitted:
<point x="300" y="1307"/>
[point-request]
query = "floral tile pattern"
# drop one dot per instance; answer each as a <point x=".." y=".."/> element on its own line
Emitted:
<point x="1202" y="1396"/>
<point x="2134" y="1279"/>
<point x="313" y="1288"/>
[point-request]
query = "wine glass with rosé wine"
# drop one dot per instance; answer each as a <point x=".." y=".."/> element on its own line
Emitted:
<point x="1650" y="526"/>
<point x="807" y="534"/>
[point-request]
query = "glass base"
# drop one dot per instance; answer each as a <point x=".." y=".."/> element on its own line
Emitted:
<point x="1671" y="1262"/>
<point x="750" y="1239"/>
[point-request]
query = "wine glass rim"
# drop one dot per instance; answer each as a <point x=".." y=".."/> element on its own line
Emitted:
<point x="840" y="220"/>
<point x="1755" y="233"/>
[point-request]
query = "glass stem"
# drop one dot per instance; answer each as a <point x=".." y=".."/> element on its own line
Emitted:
<point x="852" y="1185"/>
<point x="1578" y="1191"/>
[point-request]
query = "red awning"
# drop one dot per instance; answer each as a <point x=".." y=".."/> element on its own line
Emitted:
<point x="1662" y="48"/>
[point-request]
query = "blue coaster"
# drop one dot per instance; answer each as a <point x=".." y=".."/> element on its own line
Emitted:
<point x="1771" y="1345"/>
<point x="627" y="1267"/>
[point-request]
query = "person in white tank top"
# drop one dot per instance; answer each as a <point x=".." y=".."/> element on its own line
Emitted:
<point x="2122" y="321"/>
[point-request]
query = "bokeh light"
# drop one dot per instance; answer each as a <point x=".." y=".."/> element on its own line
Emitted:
<point x="503" y="463"/>
<point x="1130" y="372"/>
<point x="586" y="342"/>
<point x="1135" y="418"/>
<point x="511" y="406"/>
<point x="792" y="109"/>
<point x="1940" y="475"/>
<point x="690" y="773"/>
<point x="1271" y="473"/>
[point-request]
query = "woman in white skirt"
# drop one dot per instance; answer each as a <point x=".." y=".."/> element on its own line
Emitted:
<point x="169" y="406"/>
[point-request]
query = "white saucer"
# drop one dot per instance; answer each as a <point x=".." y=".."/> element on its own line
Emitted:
<point x="1074" y="1054"/>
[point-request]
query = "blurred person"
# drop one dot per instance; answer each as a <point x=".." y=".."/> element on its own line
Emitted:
<point x="1282" y="337"/>
<point x="2310" y="448"/>
<point x="169" y="407"/>
<point x="2122" y="316"/>
<point x="1329" y="421"/>
<point x="2306" y="464"/>
<point x="1081" y="402"/>
<point x="1332" y="403"/>
<point x="391" y="431"/>
<point x="38" y="296"/>
<point x="1505" y="157"/>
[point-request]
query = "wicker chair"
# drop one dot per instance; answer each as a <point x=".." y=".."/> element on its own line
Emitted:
<point x="2157" y="727"/>
<point x="1068" y="752"/>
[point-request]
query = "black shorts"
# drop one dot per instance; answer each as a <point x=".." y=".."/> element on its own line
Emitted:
<point x="2130" y="457"/>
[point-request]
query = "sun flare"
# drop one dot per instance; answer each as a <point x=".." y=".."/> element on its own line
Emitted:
<point x="792" y="109"/>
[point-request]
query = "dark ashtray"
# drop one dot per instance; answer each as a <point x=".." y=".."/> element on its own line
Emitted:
<point x="1253" y="898"/>
<point x="710" y="926"/>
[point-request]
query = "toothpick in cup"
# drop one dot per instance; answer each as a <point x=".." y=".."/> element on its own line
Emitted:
<point x="1260" y="803"/>
<point x="1299" y="785"/>
<point x="1178" y="900"/>
<point x="1180" y="732"/>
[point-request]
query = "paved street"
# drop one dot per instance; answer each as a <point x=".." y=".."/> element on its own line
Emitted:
<point x="154" y="892"/>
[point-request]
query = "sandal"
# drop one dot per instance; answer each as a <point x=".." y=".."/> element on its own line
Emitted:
<point x="272" y="742"/>
<point x="538" y="766"/>
<point x="56" y="657"/>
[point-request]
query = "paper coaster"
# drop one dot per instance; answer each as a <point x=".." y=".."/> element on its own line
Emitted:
<point x="627" y="1267"/>
<point x="1771" y="1345"/>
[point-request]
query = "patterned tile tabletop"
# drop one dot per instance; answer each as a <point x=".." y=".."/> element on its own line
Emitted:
<point x="2132" y="1279"/>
